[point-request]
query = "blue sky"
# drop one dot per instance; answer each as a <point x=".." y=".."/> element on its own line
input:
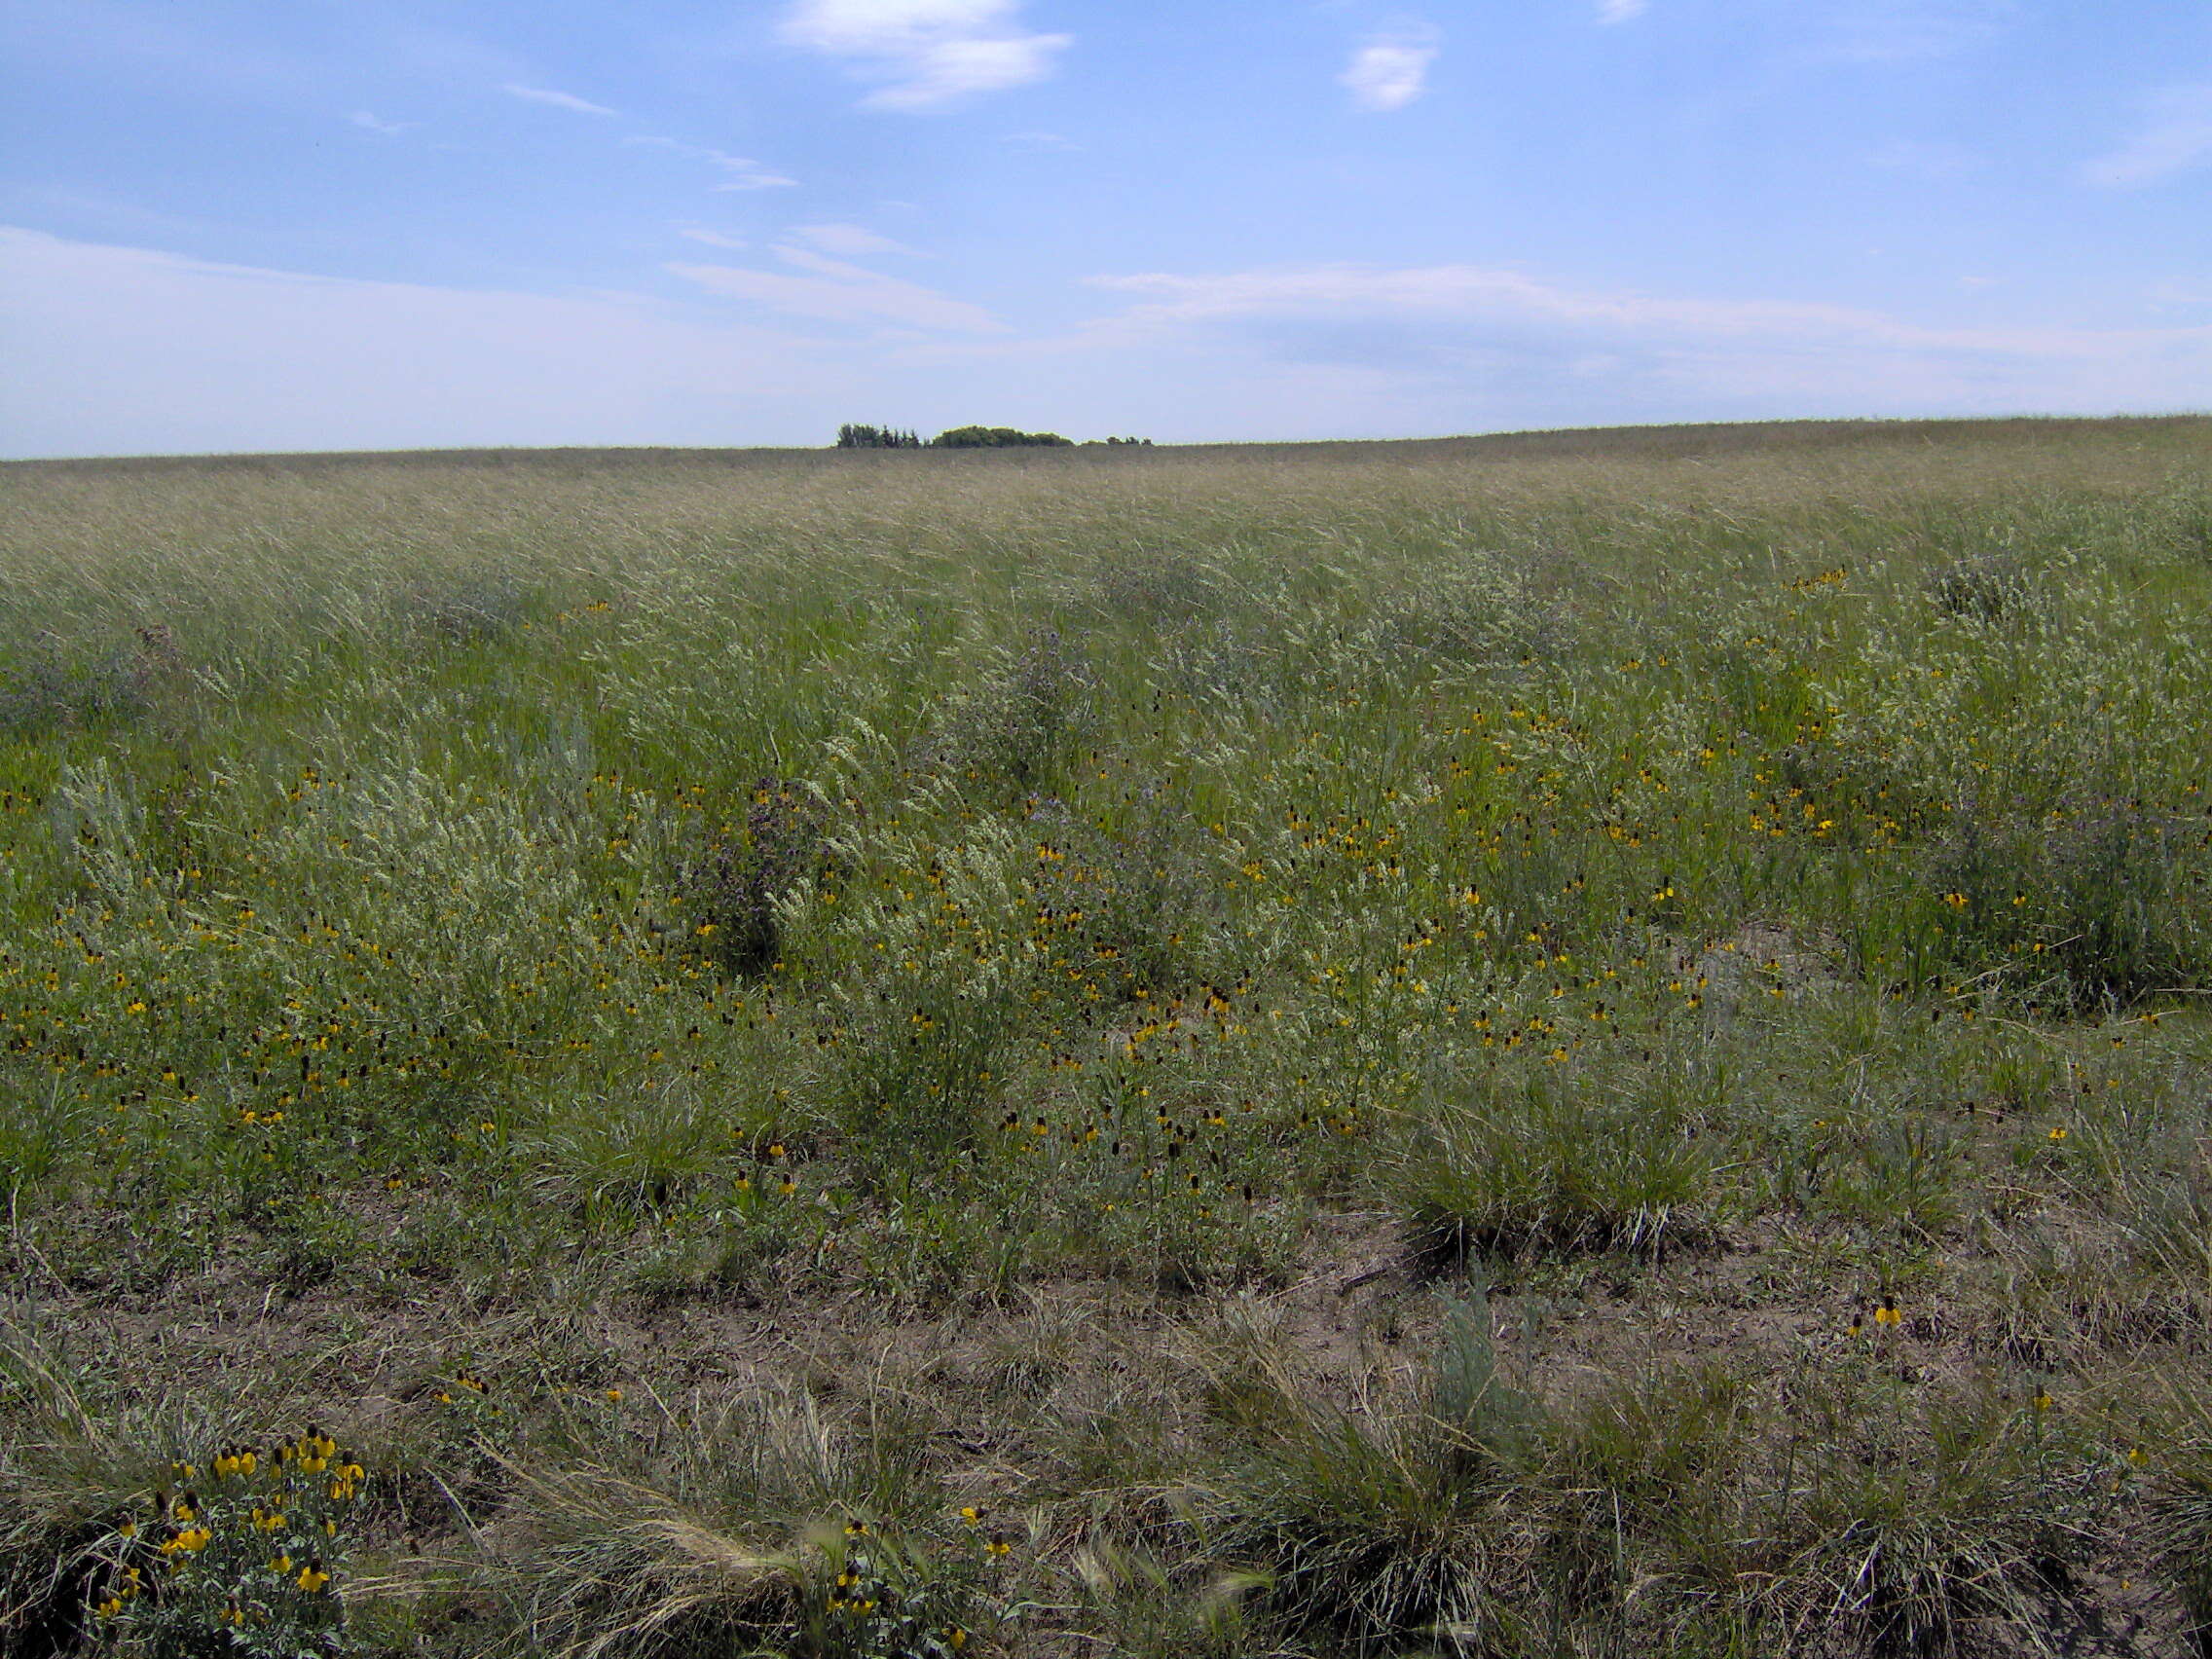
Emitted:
<point x="233" y="225"/>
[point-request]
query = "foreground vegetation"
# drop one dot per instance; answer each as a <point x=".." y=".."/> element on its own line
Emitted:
<point x="1540" y="1047"/>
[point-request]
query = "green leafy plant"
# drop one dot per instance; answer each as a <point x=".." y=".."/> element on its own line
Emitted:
<point x="245" y="1554"/>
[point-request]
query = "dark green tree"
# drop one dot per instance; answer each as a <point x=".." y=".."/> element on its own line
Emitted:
<point x="997" y="437"/>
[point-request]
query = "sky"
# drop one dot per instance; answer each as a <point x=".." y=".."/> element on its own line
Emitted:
<point x="231" y="224"/>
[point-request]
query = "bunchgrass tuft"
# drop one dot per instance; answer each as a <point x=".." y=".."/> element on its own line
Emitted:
<point x="1553" y="1164"/>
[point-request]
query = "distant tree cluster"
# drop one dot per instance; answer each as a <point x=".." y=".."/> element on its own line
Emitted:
<point x="850" y="436"/>
<point x="997" y="437"/>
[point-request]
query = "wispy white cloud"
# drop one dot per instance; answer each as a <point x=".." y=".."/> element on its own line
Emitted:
<point x="1437" y="289"/>
<point x="368" y="123"/>
<point x="838" y="292"/>
<point x="1443" y="327"/>
<point x="926" y="53"/>
<point x="1464" y="290"/>
<point x="558" y="99"/>
<point x="130" y="350"/>
<point x="712" y="239"/>
<point x="852" y="240"/>
<point x="1621" y="11"/>
<point x="2174" y="137"/>
<point x="1885" y="31"/>
<point x="1389" y="71"/>
<point x="744" y="172"/>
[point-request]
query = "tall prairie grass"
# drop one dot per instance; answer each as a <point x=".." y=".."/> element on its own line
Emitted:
<point x="1517" y="1047"/>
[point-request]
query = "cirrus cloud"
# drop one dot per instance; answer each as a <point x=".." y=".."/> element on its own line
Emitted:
<point x="121" y="349"/>
<point x="2175" y="137"/>
<point x="833" y="291"/>
<point x="711" y="237"/>
<point x="745" y="173"/>
<point x="558" y="99"/>
<point x="1473" y="330"/>
<point x="848" y="240"/>
<point x="926" y="53"/>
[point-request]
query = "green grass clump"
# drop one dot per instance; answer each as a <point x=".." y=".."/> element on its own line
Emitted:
<point x="1383" y="1527"/>
<point x="2179" y="1519"/>
<point x="1561" y="1164"/>
<point x="1690" y="1506"/>
<point x="755" y="1527"/>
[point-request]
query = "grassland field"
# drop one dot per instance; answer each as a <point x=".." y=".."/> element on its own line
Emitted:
<point x="1568" y="1044"/>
